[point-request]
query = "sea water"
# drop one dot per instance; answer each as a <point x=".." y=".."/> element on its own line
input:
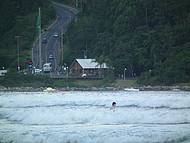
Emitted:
<point x="86" y="117"/>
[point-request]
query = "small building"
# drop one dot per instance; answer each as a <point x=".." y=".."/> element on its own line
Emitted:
<point x="87" y="68"/>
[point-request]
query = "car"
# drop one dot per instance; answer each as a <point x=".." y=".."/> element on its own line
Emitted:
<point x="37" y="71"/>
<point x="47" y="67"/>
<point x="50" y="57"/>
<point x="56" y="35"/>
<point x="44" y="40"/>
<point x="83" y="75"/>
<point x="3" y="72"/>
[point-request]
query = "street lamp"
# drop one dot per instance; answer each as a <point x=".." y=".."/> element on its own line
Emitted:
<point x="18" y="53"/>
<point x="66" y="71"/>
<point x="76" y="3"/>
<point x="67" y="68"/>
<point x="124" y="73"/>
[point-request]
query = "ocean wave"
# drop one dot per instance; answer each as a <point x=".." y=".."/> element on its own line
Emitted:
<point x="98" y="125"/>
<point x="178" y="140"/>
<point x="98" y="106"/>
<point x="142" y="117"/>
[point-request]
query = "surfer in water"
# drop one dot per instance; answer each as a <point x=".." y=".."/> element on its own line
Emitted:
<point x="113" y="106"/>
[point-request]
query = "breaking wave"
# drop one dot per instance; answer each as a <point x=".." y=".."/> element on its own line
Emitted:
<point x="99" y="106"/>
<point x="78" y="117"/>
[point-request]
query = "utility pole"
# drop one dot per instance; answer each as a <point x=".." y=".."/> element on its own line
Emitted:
<point x="81" y="2"/>
<point x="86" y="51"/>
<point x="124" y="73"/>
<point x="61" y="45"/>
<point x="40" y="39"/>
<point x="33" y="53"/>
<point x="76" y="3"/>
<point x="18" y="52"/>
<point x="84" y="54"/>
<point x="46" y="56"/>
<point x="146" y="16"/>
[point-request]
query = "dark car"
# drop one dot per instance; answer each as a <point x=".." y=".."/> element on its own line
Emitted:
<point x="50" y="57"/>
<point x="44" y="40"/>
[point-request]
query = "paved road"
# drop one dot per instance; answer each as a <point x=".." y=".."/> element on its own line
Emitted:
<point x="52" y="47"/>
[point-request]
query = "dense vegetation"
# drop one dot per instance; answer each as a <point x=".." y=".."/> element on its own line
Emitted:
<point x="18" y="17"/>
<point x="37" y="81"/>
<point x="150" y="38"/>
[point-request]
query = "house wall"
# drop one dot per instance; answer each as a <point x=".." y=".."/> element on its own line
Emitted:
<point x="91" y="72"/>
<point x="76" y="71"/>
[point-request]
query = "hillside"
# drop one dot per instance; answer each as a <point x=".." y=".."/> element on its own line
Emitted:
<point x="18" y="18"/>
<point x="151" y="39"/>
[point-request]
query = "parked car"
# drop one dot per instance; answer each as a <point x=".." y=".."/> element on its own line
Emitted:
<point x="50" y="57"/>
<point x="47" y="67"/>
<point x="83" y="75"/>
<point x="37" y="71"/>
<point x="3" y="72"/>
<point x="56" y="35"/>
<point x="44" y="40"/>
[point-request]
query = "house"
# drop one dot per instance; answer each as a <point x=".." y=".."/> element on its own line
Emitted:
<point x="87" y="68"/>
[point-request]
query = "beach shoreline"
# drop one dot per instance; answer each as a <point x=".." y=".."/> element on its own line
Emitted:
<point x="140" y="88"/>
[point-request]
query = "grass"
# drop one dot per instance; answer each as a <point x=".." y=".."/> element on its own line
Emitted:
<point x="89" y="83"/>
<point x="182" y="84"/>
<point x="20" y="80"/>
<point x="13" y="79"/>
<point x="64" y="83"/>
<point x="126" y="83"/>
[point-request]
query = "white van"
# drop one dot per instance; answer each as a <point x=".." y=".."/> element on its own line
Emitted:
<point x="47" y="67"/>
<point x="3" y="72"/>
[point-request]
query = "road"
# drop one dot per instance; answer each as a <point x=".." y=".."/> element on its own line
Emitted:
<point x="51" y="47"/>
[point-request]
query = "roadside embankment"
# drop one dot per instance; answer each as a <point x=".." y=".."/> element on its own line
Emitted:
<point x="143" y="88"/>
<point x="29" y="83"/>
<point x="164" y="88"/>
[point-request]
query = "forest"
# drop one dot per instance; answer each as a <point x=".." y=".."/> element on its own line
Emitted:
<point x="151" y="39"/>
